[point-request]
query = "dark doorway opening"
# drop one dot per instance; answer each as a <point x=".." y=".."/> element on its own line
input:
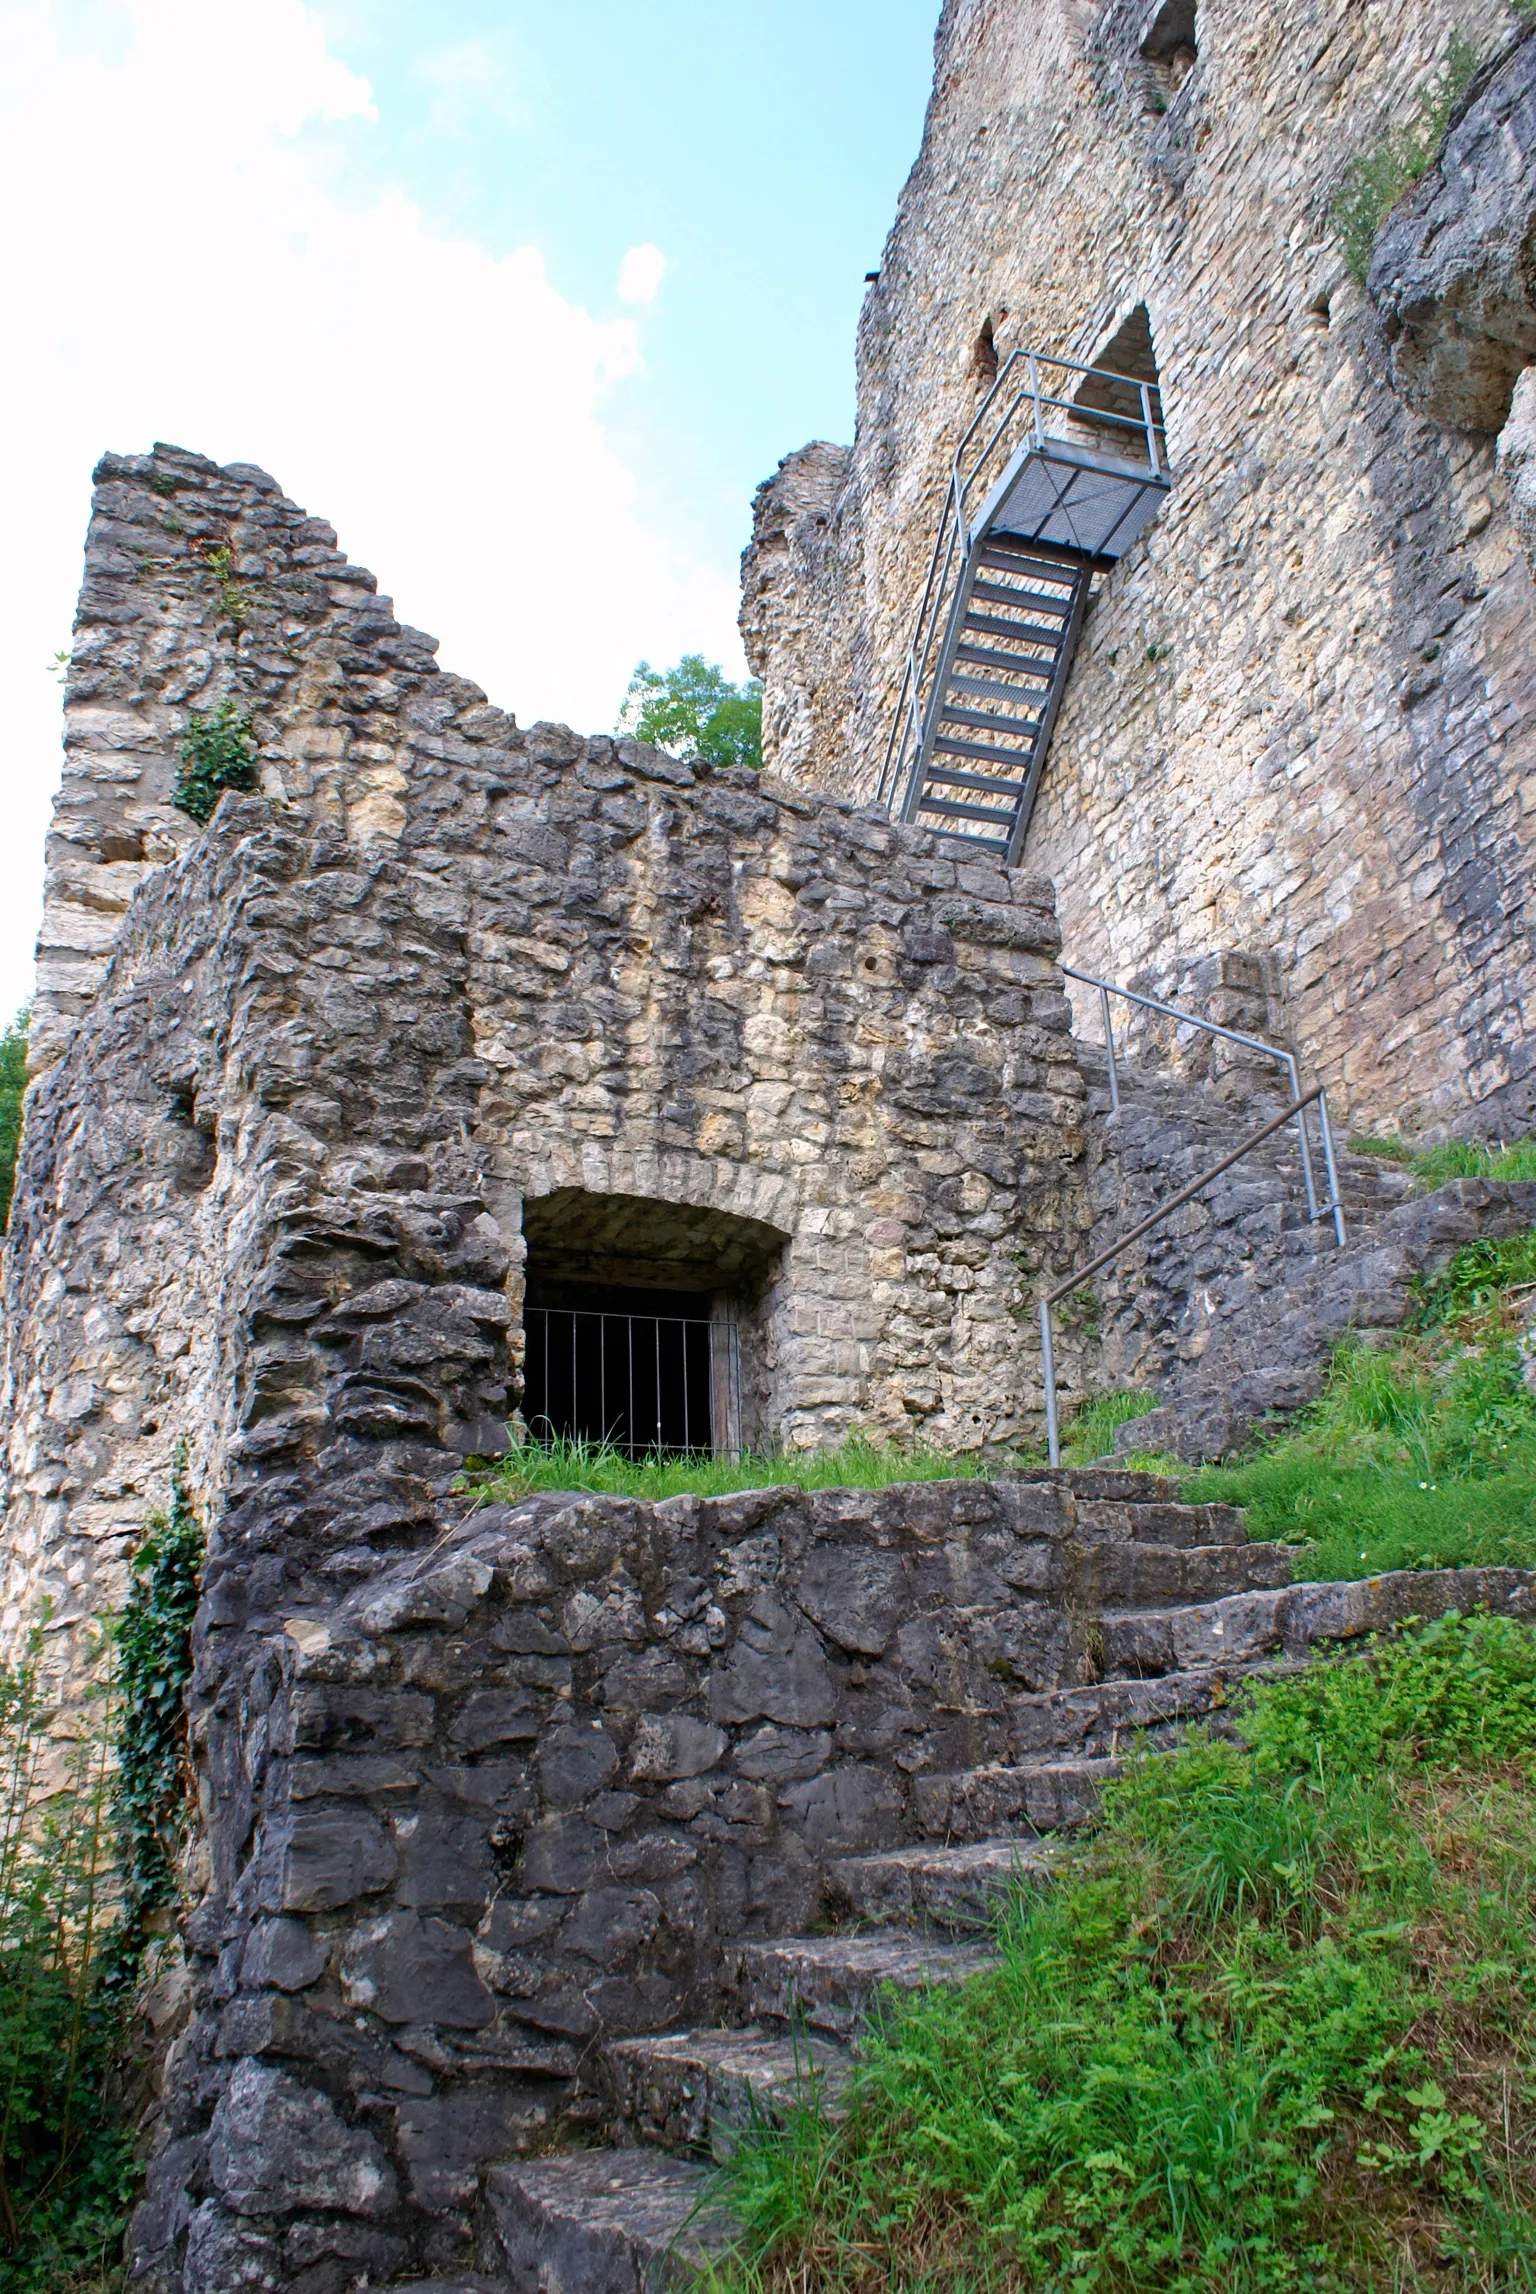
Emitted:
<point x="635" y="1317"/>
<point x="633" y="1368"/>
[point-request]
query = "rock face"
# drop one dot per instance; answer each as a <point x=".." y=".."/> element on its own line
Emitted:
<point x="1300" y="719"/>
<point x="793" y="600"/>
<point x="1517" y="460"/>
<point x="1453" y="274"/>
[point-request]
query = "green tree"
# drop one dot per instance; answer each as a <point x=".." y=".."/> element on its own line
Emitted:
<point x="694" y="711"/>
<point x="13" y="1083"/>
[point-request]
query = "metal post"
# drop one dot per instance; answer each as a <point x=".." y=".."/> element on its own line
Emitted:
<point x="1048" y="1366"/>
<point x="1146" y="415"/>
<point x="1109" y="1046"/>
<point x="1331" y="1167"/>
<point x="1307" y="1179"/>
<point x="1034" y="392"/>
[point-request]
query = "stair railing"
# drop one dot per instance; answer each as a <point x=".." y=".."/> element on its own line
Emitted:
<point x="1144" y="1227"/>
<point x="1277" y="1052"/>
<point x="1015" y="409"/>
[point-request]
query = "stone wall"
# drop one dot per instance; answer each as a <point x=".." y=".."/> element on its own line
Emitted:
<point x="273" y="1183"/>
<point x="1300" y="718"/>
<point x="516" y="1795"/>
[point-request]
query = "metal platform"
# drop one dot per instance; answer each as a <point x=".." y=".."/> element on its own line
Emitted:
<point x="1049" y="486"/>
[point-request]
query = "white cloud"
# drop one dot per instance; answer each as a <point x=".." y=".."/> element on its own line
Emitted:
<point x="178" y="266"/>
<point x="641" y="274"/>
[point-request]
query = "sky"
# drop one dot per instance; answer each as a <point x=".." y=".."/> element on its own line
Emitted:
<point x="525" y="296"/>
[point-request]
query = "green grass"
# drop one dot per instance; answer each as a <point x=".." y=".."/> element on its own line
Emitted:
<point x="573" y="1465"/>
<point x="1458" y="1158"/>
<point x="1421" y="1455"/>
<point x="1272" y="2031"/>
<point x="1376" y="180"/>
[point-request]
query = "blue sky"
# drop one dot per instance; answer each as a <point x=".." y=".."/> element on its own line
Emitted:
<point x="524" y="297"/>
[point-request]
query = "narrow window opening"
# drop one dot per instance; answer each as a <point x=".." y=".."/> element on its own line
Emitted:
<point x="1169" y="48"/>
<point x="1112" y="406"/>
<point x="1320" y="314"/>
<point x="984" y="356"/>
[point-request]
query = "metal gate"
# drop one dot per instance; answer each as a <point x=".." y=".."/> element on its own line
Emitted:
<point x="645" y="1384"/>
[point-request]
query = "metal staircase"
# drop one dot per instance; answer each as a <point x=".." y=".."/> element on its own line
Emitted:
<point x="1063" y="466"/>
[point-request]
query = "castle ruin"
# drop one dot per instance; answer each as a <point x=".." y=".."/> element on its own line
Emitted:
<point x="453" y="1062"/>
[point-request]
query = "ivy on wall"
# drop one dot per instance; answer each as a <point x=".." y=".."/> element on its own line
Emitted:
<point x="218" y="752"/>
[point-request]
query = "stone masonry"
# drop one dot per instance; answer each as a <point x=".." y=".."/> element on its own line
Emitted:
<point x="1300" y="719"/>
<point x="441" y="978"/>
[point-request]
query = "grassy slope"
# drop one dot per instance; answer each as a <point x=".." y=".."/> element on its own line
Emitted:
<point x="1272" y="2029"/>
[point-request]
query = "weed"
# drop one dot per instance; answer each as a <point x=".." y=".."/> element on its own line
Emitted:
<point x="161" y="482"/>
<point x="152" y="1790"/>
<point x="1378" y="178"/>
<point x="1090" y="1433"/>
<point x="1458" y="1158"/>
<point x="857" y="1463"/>
<point x="235" y="602"/>
<point x="13" y="1089"/>
<point x="1269" y="2031"/>
<point x="217" y="753"/>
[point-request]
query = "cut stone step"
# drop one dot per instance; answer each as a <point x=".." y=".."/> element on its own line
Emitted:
<point x="831" y="1982"/>
<point x="699" y="2089"/>
<point x="605" y="2222"/>
<point x="1112" y="1573"/>
<point x="950" y="1887"/>
<point x="1112" y="1484"/>
<point x="1053" y="1796"/>
<point x="1116" y="1717"/>
<point x="447" y="2286"/>
<point x="1161" y="1524"/>
<point x="1289" y="1621"/>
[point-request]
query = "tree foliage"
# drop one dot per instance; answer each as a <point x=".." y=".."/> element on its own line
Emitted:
<point x="693" y="711"/>
<point x="13" y="1084"/>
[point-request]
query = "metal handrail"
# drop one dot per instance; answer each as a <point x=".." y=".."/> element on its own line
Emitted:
<point x="1143" y="1227"/>
<point x="1274" y="1051"/>
<point x="954" y="535"/>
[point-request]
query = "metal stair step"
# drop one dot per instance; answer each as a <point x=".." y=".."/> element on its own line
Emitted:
<point x="1032" y="632"/>
<point x="699" y="2089"/>
<point x="995" y="593"/>
<point x="1027" y="696"/>
<point x="947" y="746"/>
<point x="605" y="2222"/>
<point x="831" y="1982"/>
<point x="951" y="779"/>
<point x="956" y="809"/>
<point x="978" y="1803"/>
<point x="985" y="657"/>
<point x="949" y="1887"/>
<point x="986" y="722"/>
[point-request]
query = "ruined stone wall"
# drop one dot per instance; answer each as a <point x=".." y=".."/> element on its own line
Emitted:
<point x="1300" y="718"/>
<point x="272" y="1187"/>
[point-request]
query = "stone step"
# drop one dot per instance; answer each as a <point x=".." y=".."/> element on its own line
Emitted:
<point x="1155" y="1523"/>
<point x="1050" y="1795"/>
<point x="1113" y="1717"/>
<point x="699" y="2089"/>
<point x="830" y="1982"/>
<point x="605" y="2222"/>
<point x="949" y="1887"/>
<point x="1117" y="1574"/>
<point x="474" y="2285"/>
<point x="1290" y="1620"/>
<point x="1111" y="1484"/>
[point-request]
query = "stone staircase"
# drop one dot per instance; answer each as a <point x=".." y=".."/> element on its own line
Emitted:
<point x="1174" y="1609"/>
<point x="1232" y="1310"/>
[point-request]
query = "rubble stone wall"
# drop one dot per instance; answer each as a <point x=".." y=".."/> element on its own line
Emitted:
<point x="1300" y="717"/>
<point x="272" y="1185"/>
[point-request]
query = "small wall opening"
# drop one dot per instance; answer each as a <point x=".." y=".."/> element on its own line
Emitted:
<point x="1131" y="354"/>
<point x="643" y="1322"/>
<point x="1169" y="47"/>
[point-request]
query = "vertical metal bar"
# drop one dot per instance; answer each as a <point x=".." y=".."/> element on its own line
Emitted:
<point x="1048" y="1366"/>
<point x="1332" y="1168"/>
<point x="687" y="1413"/>
<point x="575" y="1390"/>
<point x="630" y="1419"/>
<point x="1146" y="415"/>
<point x="602" y="1374"/>
<point x="1307" y="1179"/>
<point x="1034" y="392"/>
<point x="1109" y="1046"/>
<point x="657" y="1342"/>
